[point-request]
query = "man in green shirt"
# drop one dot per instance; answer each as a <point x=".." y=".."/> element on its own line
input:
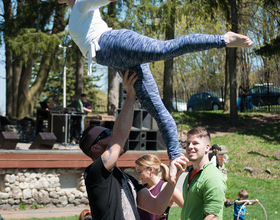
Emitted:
<point x="77" y="103"/>
<point x="204" y="187"/>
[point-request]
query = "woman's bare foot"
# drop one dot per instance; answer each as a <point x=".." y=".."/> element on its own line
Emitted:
<point x="237" y="40"/>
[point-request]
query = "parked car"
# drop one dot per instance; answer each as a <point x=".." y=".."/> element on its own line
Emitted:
<point x="204" y="101"/>
<point x="269" y="94"/>
<point x="179" y="105"/>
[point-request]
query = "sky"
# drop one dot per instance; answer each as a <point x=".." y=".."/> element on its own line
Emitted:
<point x="2" y="80"/>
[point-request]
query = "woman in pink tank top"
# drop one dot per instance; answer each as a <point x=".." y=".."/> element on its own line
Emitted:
<point x="148" y="167"/>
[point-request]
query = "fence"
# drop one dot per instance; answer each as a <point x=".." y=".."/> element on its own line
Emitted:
<point x="181" y="99"/>
<point x="185" y="96"/>
<point x="256" y="105"/>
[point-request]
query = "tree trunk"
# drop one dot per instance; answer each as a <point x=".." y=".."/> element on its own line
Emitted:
<point x="168" y="65"/>
<point x="23" y="100"/>
<point x="168" y="84"/>
<point x="241" y="75"/>
<point x="79" y="73"/>
<point x="113" y="95"/>
<point x="38" y="86"/>
<point x="9" y="72"/>
<point x="17" y="67"/>
<point x="113" y="83"/>
<point x="227" y="84"/>
<point x="232" y="69"/>
<point x="9" y="82"/>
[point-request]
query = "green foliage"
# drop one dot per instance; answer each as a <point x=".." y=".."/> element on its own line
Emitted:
<point x="22" y="206"/>
<point x="54" y="85"/>
<point x="28" y="34"/>
<point x="35" y="206"/>
<point x="270" y="49"/>
<point x="201" y="70"/>
<point x="32" y="43"/>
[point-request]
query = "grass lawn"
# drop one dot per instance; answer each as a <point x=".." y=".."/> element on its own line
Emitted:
<point x="267" y="191"/>
<point x="258" y="148"/>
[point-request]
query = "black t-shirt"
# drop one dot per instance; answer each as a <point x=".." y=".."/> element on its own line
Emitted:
<point x="105" y="189"/>
<point x="87" y="105"/>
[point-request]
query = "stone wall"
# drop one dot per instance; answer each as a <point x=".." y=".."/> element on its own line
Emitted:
<point x="42" y="187"/>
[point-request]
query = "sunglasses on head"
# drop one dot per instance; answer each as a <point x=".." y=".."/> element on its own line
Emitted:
<point x="101" y="136"/>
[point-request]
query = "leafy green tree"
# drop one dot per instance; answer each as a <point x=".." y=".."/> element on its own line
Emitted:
<point x="54" y="84"/>
<point x="31" y="35"/>
<point x="200" y="71"/>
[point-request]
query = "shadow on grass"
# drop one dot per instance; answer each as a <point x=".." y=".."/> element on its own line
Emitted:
<point x="265" y="126"/>
<point x="258" y="154"/>
<point x="270" y="133"/>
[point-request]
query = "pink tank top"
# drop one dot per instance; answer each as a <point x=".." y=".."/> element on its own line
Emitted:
<point x="149" y="216"/>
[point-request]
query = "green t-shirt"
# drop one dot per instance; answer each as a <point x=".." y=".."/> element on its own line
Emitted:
<point x="205" y="194"/>
<point x="78" y="105"/>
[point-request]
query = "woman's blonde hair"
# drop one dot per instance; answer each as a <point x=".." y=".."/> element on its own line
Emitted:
<point x="150" y="160"/>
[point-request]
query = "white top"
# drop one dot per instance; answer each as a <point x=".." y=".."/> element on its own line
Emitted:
<point x="86" y="26"/>
<point x="214" y="160"/>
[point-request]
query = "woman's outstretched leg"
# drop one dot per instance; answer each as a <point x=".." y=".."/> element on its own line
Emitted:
<point x="119" y="48"/>
<point x="126" y="48"/>
<point x="148" y="95"/>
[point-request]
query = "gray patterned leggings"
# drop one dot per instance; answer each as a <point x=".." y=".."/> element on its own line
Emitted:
<point x="124" y="49"/>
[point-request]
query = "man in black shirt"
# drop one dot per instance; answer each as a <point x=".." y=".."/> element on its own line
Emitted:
<point x="112" y="193"/>
<point x="86" y="104"/>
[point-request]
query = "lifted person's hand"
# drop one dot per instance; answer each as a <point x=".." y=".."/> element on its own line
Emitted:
<point x="177" y="167"/>
<point x="128" y="82"/>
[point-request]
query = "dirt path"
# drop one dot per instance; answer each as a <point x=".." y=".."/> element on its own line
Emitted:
<point x="42" y="212"/>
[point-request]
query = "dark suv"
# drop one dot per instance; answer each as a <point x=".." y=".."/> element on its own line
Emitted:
<point x="269" y="94"/>
<point x="204" y="101"/>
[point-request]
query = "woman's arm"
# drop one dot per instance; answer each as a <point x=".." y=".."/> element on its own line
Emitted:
<point x="178" y="198"/>
<point x="156" y="205"/>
